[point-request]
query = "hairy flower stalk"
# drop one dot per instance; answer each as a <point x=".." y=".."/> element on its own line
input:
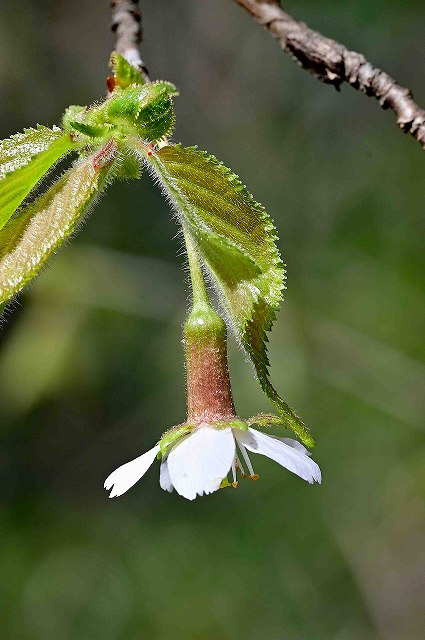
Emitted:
<point x="197" y="456"/>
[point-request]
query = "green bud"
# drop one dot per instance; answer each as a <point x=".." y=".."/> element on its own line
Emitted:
<point x="146" y="110"/>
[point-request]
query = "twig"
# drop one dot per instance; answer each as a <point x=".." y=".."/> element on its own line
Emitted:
<point x="332" y="63"/>
<point x="127" y="26"/>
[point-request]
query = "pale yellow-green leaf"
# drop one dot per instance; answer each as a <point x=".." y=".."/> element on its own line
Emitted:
<point x="36" y="231"/>
<point x="24" y="159"/>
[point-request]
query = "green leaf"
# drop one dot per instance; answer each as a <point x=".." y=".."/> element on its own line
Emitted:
<point x="236" y="240"/>
<point x="24" y="159"/>
<point x="35" y="232"/>
<point x="124" y="72"/>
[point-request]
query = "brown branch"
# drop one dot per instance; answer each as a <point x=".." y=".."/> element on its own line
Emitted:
<point x="332" y="63"/>
<point x="127" y="26"/>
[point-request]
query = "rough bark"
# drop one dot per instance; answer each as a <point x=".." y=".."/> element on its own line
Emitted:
<point x="332" y="63"/>
<point x="127" y="26"/>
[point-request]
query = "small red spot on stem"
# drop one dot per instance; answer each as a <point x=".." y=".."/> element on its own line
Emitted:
<point x="111" y="83"/>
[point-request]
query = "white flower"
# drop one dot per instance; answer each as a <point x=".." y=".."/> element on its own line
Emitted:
<point x="197" y="463"/>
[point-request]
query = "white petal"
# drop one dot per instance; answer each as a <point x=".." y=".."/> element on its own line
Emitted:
<point x="123" y="478"/>
<point x="199" y="462"/>
<point x="286" y="455"/>
<point x="294" y="444"/>
<point x="164" y="477"/>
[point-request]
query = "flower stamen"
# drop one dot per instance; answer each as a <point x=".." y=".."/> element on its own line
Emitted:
<point x="235" y="482"/>
<point x="239" y="467"/>
<point x="252" y="474"/>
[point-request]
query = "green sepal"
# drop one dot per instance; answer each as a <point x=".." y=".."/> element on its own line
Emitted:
<point x="146" y="111"/>
<point x="170" y="437"/>
<point x="232" y="424"/>
<point x="266" y="420"/>
<point x="239" y="424"/>
<point x="236" y="240"/>
<point x="24" y="159"/>
<point x="36" y="231"/>
<point x="124" y="72"/>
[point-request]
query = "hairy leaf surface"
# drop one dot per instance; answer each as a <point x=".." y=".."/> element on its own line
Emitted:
<point x="24" y="159"/>
<point x="236" y="240"/>
<point x="36" y="231"/>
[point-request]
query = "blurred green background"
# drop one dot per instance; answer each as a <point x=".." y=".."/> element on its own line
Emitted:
<point x="91" y="368"/>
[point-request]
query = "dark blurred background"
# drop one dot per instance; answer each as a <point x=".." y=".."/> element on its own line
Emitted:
<point x="91" y="368"/>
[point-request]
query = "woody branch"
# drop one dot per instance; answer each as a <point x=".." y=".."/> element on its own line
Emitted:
<point x="127" y="25"/>
<point x="332" y="63"/>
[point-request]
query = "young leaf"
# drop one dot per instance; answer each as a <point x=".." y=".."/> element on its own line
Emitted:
<point x="235" y="238"/>
<point x="124" y="72"/>
<point x="36" y="231"/>
<point x="88" y="130"/>
<point x="24" y="159"/>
